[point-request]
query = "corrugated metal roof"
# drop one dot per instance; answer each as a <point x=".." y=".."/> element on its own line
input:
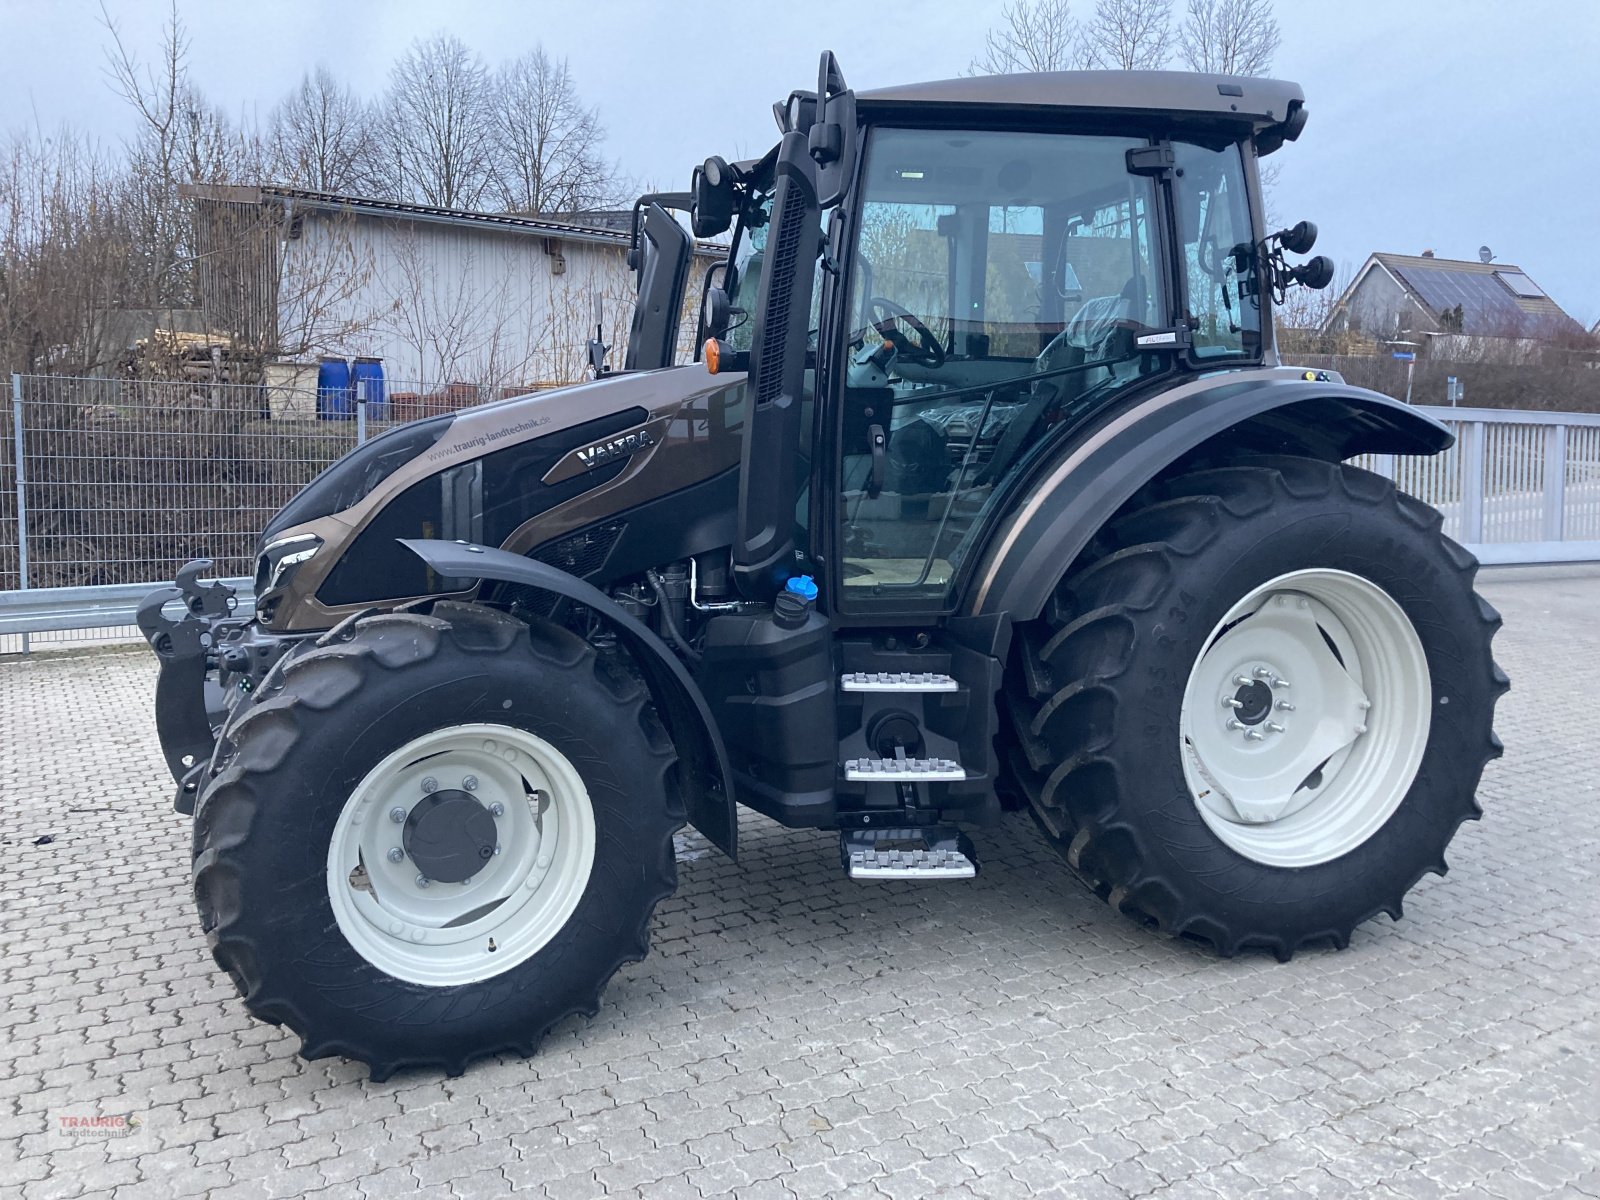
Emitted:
<point x="1489" y="305"/>
<point x="367" y="206"/>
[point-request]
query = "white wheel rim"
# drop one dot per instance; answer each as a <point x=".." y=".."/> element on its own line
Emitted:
<point x="444" y="934"/>
<point x="1348" y="694"/>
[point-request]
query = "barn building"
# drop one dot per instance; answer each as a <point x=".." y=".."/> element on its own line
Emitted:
<point x="438" y="295"/>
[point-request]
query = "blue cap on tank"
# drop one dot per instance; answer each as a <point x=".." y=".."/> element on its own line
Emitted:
<point x="803" y="586"/>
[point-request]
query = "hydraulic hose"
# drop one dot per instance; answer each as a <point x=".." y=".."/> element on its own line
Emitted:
<point x="669" y="622"/>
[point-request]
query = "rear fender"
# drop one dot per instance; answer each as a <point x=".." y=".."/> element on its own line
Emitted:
<point x="678" y="698"/>
<point x="1209" y="420"/>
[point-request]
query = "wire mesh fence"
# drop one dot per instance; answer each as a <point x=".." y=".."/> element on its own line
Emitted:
<point x="121" y="481"/>
<point x="124" y="480"/>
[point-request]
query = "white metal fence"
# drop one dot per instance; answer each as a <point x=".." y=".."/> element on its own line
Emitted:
<point x="108" y="486"/>
<point x="1517" y="487"/>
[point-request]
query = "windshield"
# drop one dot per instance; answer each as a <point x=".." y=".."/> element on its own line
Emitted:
<point x="999" y="285"/>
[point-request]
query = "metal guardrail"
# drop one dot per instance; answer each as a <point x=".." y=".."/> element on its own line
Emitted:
<point x="44" y="610"/>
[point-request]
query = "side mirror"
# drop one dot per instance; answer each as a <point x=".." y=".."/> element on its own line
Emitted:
<point x="712" y="209"/>
<point x="831" y="140"/>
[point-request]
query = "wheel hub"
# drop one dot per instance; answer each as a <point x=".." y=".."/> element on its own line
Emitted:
<point x="1254" y="702"/>
<point x="449" y="835"/>
<point x="1291" y="781"/>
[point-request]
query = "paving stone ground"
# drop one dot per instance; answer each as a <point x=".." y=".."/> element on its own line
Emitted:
<point x="795" y="1035"/>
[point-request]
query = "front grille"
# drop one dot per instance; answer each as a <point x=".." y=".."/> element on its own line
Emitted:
<point x="581" y="553"/>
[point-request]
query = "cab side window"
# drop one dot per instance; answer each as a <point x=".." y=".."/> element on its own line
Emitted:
<point x="1218" y="256"/>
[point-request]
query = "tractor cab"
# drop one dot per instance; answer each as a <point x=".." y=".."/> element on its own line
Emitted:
<point x="962" y="281"/>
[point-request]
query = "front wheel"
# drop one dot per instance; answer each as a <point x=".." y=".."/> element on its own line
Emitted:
<point x="435" y="836"/>
<point x="1259" y="714"/>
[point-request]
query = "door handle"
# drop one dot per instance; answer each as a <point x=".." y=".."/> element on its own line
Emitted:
<point x="877" y="442"/>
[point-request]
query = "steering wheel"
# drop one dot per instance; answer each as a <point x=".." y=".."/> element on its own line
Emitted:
<point x="925" y="349"/>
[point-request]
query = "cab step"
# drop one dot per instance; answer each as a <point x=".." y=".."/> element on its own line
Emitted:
<point x="938" y="852"/>
<point x="903" y="770"/>
<point x="897" y="681"/>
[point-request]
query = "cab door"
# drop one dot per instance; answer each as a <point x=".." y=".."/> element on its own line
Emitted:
<point x="1000" y="283"/>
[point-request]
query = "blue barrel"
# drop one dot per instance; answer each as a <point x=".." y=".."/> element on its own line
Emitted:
<point x="369" y="386"/>
<point x="335" y="399"/>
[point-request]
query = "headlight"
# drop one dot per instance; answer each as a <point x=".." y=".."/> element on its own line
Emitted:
<point x="276" y="565"/>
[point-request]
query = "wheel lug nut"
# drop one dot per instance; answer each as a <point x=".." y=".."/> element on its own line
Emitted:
<point x="1262" y="673"/>
<point x="1364" y="705"/>
<point x="1274" y="727"/>
<point x="423" y="881"/>
<point x="470" y="783"/>
<point x="1230" y="702"/>
<point x="1232" y="723"/>
<point x="396" y="854"/>
<point x="1243" y="680"/>
<point x="1254" y="735"/>
<point x="397" y="814"/>
<point x="497" y="809"/>
<point x="1284" y="706"/>
<point x="497" y="849"/>
<point x="430" y="784"/>
<point x="1361" y="728"/>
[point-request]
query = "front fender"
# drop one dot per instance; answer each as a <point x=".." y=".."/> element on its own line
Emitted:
<point x="1084" y="484"/>
<point x="678" y="698"/>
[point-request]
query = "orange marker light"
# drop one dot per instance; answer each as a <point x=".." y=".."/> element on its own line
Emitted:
<point x="712" y="354"/>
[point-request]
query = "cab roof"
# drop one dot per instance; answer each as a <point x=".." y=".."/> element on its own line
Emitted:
<point x="1224" y="98"/>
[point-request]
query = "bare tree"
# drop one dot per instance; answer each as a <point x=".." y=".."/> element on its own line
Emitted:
<point x="1229" y="37"/>
<point x="64" y="252"/>
<point x="547" y="141"/>
<point x="436" y="128"/>
<point x="1034" y="35"/>
<point x="1128" y="35"/>
<point x="1304" y="321"/>
<point x="180" y="138"/>
<point x="320" y="136"/>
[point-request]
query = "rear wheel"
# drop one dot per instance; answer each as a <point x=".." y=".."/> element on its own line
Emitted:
<point x="1259" y="713"/>
<point x="434" y="837"/>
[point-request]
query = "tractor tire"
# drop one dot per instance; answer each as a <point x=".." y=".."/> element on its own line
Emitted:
<point x="429" y="838"/>
<point x="1174" y="759"/>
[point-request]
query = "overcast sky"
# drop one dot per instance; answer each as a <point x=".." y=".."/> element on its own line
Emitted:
<point x="1442" y="124"/>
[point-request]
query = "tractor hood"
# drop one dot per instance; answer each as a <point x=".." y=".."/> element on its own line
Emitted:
<point x="515" y="473"/>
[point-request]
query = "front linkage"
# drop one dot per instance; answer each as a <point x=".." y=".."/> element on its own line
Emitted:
<point x="209" y="658"/>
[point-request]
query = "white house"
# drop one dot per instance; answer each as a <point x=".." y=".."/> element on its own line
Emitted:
<point x="438" y="295"/>
<point x="1423" y="298"/>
